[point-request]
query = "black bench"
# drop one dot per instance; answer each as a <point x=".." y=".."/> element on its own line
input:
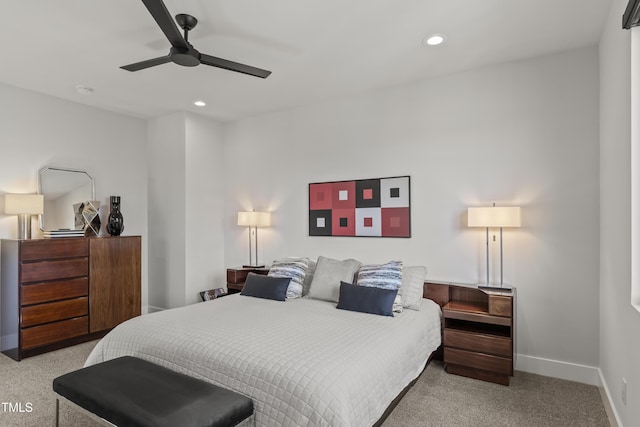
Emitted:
<point x="128" y="391"/>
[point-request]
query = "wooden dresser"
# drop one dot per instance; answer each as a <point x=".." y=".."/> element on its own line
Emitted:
<point x="62" y="291"/>
<point x="478" y="330"/>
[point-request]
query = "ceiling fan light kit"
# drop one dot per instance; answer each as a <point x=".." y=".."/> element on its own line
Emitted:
<point x="182" y="52"/>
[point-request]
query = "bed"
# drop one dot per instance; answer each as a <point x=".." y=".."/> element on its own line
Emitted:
<point x="303" y="362"/>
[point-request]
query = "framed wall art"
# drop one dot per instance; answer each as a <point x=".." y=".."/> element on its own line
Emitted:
<point x="379" y="207"/>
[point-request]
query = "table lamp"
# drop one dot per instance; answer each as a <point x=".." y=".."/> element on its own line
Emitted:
<point x="253" y="219"/>
<point x="24" y="205"/>
<point x="493" y="217"/>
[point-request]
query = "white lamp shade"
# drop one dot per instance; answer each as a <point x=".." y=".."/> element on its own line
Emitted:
<point x="254" y="219"/>
<point x="495" y="216"/>
<point x="16" y="204"/>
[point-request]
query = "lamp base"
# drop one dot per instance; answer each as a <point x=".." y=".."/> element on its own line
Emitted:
<point x="24" y="226"/>
<point x="504" y="288"/>
<point x="253" y="266"/>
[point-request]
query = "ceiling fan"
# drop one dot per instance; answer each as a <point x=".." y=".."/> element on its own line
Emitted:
<point x="182" y="52"/>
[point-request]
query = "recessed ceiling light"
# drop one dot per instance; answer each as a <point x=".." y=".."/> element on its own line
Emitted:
<point x="84" y="90"/>
<point x="433" y="40"/>
<point x="199" y="103"/>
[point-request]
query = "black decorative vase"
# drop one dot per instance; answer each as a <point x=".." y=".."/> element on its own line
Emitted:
<point x="115" y="225"/>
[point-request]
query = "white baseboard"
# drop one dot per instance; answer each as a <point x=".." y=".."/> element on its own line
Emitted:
<point x="150" y="309"/>
<point x="605" y="393"/>
<point x="585" y="374"/>
<point x="558" y="369"/>
<point x="8" y="341"/>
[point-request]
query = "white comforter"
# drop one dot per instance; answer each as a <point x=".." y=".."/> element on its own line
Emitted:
<point x="303" y="362"/>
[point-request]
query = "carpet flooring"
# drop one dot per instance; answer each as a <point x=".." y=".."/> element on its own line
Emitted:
<point x="437" y="399"/>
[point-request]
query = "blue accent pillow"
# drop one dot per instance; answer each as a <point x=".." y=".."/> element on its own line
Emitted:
<point x="366" y="299"/>
<point x="261" y="286"/>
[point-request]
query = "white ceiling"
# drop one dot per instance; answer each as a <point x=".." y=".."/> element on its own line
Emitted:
<point x="316" y="49"/>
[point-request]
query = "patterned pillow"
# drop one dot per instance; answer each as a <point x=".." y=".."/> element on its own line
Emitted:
<point x="385" y="276"/>
<point x="294" y="269"/>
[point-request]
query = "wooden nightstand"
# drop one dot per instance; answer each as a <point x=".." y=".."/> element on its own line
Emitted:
<point x="479" y="332"/>
<point x="237" y="276"/>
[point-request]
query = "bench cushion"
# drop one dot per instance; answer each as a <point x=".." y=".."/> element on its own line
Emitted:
<point x="128" y="391"/>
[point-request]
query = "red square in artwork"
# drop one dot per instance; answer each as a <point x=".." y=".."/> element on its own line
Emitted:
<point x="396" y="222"/>
<point x="343" y="195"/>
<point x="320" y="196"/>
<point x="368" y="221"/>
<point x="343" y="222"/>
<point x="367" y="194"/>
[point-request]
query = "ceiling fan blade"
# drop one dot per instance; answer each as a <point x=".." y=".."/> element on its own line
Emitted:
<point x="166" y="23"/>
<point x="233" y="66"/>
<point x="146" y="64"/>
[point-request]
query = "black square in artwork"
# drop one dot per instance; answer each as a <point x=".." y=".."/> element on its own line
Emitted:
<point x="344" y="222"/>
<point x="320" y="223"/>
<point x="394" y="192"/>
<point x="368" y="193"/>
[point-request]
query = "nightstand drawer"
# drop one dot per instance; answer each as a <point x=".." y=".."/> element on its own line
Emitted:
<point x="499" y="365"/>
<point x="236" y="275"/>
<point x="500" y="305"/>
<point x="239" y="275"/>
<point x="478" y="342"/>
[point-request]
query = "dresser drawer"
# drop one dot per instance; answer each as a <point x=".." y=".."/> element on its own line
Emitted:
<point x="38" y="336"/>
<point x="53" y="291"/>
<point x="53" y="311"/>
<point x="52" y="270"/>
<point x="499" y="365"/>
<point x="478" y="342"/>
<point x="32" y="250"/>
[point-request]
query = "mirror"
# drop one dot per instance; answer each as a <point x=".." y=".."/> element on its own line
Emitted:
<point x="62" y="188"/>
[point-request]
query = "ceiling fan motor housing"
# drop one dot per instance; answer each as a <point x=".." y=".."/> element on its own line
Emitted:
<point x="185" y="57"/>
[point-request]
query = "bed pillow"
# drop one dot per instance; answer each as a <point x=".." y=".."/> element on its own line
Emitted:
<point x="328" y="275"/>
<point x="308" y="278"/>
<point x="261" y="286"/>
<point x="294" y="269"/>
<point x="366" y="299"/>
<point x="412" y="288"/>
<point x="384" y="276"/>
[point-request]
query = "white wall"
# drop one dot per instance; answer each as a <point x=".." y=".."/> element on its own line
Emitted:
<point x="185" y="209"/>
<point x="523" y="133"/>
<point x="38" y="130"/>
<point x="167" y="180"/>
<point x="205" y="183"/>
<point x="619" y="321"/>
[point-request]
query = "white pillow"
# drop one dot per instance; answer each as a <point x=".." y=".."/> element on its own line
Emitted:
<point x="311" y="269"/>
<point x="328" y="275"/>
<point x="412" y="286"/>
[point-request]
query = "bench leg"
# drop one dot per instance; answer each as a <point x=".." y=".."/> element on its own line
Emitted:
<point x="57" y="412"/>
